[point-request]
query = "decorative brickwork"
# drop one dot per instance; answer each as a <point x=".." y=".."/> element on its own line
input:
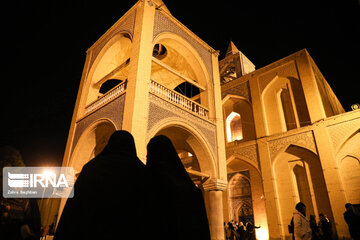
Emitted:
<point x="160" y="109"/>
<point x="341" y="131"/>
<point x="242" y="89"/>
<point x="248" y="153"/>
<point x="305" y="139"/>
<point x="114" y="111"/>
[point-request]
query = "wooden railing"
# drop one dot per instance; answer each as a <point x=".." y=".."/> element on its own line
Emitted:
<point x="116" y="91"/>
<point x="178" y="99"/>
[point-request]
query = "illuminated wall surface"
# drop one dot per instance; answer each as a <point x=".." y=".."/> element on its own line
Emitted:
<point x="256" y="141"/>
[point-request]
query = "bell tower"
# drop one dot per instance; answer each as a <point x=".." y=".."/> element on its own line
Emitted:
<point x="150" y="75"/>
<point x="234" y="65"/>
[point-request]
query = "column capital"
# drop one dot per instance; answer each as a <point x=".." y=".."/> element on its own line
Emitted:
<point x="214" y="184"/>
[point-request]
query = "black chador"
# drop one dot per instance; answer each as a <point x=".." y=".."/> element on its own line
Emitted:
<point x="177" y="205"/>
<point x="108" y="197"/>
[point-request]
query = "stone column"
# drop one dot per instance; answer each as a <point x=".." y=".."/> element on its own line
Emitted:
<point x="138" y="86"/>
<point x="271" y="199"/>
<point x="332" y="179"/>
<point x="310" y="87"/>
<point x="214" y="189"/>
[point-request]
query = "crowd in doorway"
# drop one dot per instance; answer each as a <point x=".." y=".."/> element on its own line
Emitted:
<point x="239" y="230"/>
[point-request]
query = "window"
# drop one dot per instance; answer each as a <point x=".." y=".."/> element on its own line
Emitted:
<point x="234" y="127"/>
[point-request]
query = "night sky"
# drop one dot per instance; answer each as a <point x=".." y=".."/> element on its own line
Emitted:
<point x="45" y="42"/>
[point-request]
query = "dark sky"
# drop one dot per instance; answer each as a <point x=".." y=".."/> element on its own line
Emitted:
<point x="45" y="42"/>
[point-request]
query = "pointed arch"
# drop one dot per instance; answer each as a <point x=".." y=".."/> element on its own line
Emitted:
<point x="91" y="142"/>
<point x="195" y="139"/>
<point x="284" y="105"/>
<point x="233" y="104"/>
<point x="182" y="59"/>
<point x="300" y="167"/>
<point x="111" y="62"/>
<point x="348" y="137"/>
<point x="348" y="161"/>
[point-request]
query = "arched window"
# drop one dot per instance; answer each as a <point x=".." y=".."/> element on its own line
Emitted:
<point x="234" y="127"/>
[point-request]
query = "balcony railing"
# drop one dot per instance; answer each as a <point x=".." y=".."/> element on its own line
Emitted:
<point x="116" y="91"/>
<point x="178" y="99"/>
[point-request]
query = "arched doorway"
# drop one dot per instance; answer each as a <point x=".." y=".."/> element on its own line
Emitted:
<point x="194" y="154"/>
<point x="239" y="197"/>
<point x="245" y="194"/>
<point x="299" y="177"/>
<point x="91" y="142"/>
<point x="349" y="165"/>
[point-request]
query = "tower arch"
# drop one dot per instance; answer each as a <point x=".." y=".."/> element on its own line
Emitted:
<point x="284" y="105"/>
<point x="182" y="63"/>
<point x="300" y="167"/>
<point x="91" y="142"/>
<point x="186" y="138"/>
<point x="348" y="160"/>
<point x="111" y="63"/>
<point x="238" y="166"/>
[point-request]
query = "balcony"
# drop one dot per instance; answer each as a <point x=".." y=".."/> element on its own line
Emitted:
<point x="160" y="91"/>
<point x="178" y="99"/>
<point x="107" y="97"/>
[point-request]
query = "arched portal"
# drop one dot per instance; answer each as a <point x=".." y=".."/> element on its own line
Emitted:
<point x="348" y="159"/>
<point x="284" y="105"/>
<point x="91" y="143"/>
<point x="111" y="63"/>
<point x="239" y="194"/>
<point x="194" y="153"/>
<point x="299" y="177"/>
<point x="245" y="176"/>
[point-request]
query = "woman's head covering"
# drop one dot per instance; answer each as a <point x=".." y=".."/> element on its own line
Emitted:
<point x="99" y="194"/>
<point x="300" y="208"/>
<point x="163" y="158"/>
<point x="120" y="142"/>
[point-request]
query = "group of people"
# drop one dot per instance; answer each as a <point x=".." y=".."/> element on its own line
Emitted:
<point x="321" y="230"/>
<point x="117" y="196"/>
<point x="239" y="230"/>
<point x="304" y="229"/>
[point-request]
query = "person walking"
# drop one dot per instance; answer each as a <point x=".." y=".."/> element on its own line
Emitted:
<point x="302" y="230"/>
<point x="175" y="203"/>
<point x="108" y="195"/>
<point x="353" y="221"/>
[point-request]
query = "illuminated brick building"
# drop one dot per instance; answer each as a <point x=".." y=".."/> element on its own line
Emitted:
<point x="255" y="141"/>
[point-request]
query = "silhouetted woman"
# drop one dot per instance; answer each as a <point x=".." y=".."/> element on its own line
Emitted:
<point x="108" y="195"/>
<point x="177" y="205"/>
